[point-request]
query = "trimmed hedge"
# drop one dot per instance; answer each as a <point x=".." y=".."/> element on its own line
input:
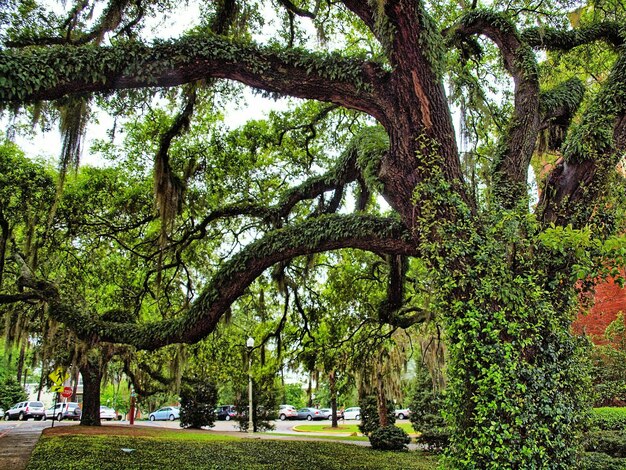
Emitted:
<point x="609" y="418"/>
<point x="599" y="461"/>
<point x="612" y="443"/>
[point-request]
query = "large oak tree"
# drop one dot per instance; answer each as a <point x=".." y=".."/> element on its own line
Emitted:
<point x="502" y="274"/>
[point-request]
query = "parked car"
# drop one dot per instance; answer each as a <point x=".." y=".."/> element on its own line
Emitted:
<point x="24" y="410"/>
<point x="327" y="412"/>
<point x="403" y="413"/>
<point x="68" y="410"/>
<point x="225" y="412"/>
<point x="310" y="413"/>
<point x="352" y="413"/>
<point x="109" y="413"/>
<point x="287" y="412"/>
<point x="166" y="413"/>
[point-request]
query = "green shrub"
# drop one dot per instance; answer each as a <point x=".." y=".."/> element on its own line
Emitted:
<point x="425" y="415"/>
<point x="612" y="443"/>
<point x="11" y="392"/>
<point x="600" y="461"/>
<point x="197" y="404"/>
<point x="370" y="420"/>
<point x="389" y="438"/>
<point x="609" y="419"/>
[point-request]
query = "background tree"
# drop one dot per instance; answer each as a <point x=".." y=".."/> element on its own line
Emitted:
<point x="11" y="393"/>
<point x="502" y="270"/>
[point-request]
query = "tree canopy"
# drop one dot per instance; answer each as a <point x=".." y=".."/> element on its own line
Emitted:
<point x="536" y="86"/>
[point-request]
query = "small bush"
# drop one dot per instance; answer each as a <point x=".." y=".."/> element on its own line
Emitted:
<point x="426" y="416"/>
<point x="197" y="404"/>
<point x="389" y="438"/>
<point x="609" y="419"/>
<point x="597" y="461"/>
<point x="612" y="443"/>
<point x="370" y="420"/>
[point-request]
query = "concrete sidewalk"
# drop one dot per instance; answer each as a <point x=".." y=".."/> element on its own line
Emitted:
<point x="17" y="444"/>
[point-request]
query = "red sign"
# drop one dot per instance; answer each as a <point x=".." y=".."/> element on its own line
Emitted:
<point x="67" y="392"/>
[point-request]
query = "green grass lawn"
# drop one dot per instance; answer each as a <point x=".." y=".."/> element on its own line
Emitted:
<point x="338" y="437"/>
<point x="104" y="452"/>
<point x="343" y="428"/>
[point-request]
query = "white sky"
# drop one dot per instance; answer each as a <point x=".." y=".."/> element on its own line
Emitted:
<point x="251" y="106"/>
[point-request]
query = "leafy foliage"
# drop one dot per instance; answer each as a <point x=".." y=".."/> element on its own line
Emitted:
<point x="609" y="366"/>
<point x="609" y="419"/>
<point x="198" y="399"/>
<point x="370" y="419"/>
<point x="612" y="443"/>
<point x="389" y="438"/>
<point x="11" y="393"/>
<point x="426" y="413"/>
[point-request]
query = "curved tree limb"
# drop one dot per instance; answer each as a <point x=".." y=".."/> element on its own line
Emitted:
<point x="515" y="151"/>
<point x="558" y="40"/>
<point x="47" y="74"/>
<point x="110" y="19"/>
<point x="558" y="106"/>
<point x="380" y="235"/>
<point x="591" y="151"/>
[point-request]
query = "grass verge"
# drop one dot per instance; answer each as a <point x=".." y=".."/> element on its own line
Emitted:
<point x="344" y="428"/>
<point x="182" y="450"/>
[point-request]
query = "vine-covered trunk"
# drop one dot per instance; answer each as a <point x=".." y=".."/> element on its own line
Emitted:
<point x="517" y="387"/>
<point x="381" y="400"/>
<point x="92" y="378"/>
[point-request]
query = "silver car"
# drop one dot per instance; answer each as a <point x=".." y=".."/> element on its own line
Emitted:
<point x="24" y="410"/>
<point x="166" y="413"/>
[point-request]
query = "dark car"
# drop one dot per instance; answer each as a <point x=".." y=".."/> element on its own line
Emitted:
<point x="225" y="412"/>
<point x="310" y="413"/>
<point x="24" y="410"/>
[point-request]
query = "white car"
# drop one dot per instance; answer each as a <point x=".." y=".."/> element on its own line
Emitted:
<point x="403" y="413"/>
<point x="352" y="413"/>
<point x="287" y="412"/>
<point x="24" y="410"/>
<point x="108" y="413"/>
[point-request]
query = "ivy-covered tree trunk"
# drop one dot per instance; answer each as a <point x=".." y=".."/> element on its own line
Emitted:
<point x="91" y="371"/>
<point x="517" y="382"/>
<point x="381" y="400"/>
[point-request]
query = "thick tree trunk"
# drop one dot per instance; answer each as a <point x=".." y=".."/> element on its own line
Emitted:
<point x="92" y="378"/>
<point x="381" y="400"/>
<point x="517" y="386"/>
<point x="20" y="362"/>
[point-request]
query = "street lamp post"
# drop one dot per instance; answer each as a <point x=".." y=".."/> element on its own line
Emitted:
<point x="250" y="345"/>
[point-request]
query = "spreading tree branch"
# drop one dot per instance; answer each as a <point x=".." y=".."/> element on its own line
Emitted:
<point x="47" y="74"/>
<point x="515" y="151"/>
<point x="325" y="233"/>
